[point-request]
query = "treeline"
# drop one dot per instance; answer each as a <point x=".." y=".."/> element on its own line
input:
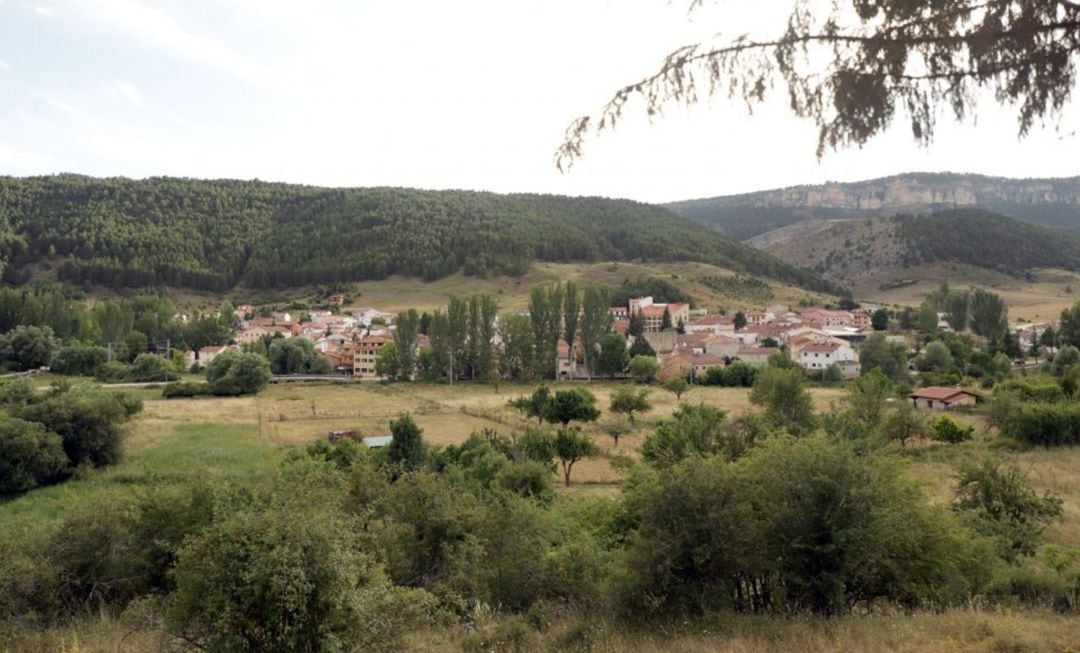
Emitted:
<point x="463" y="338"/>
<point x="211" y="235"/>
<point x="42" y="321"/>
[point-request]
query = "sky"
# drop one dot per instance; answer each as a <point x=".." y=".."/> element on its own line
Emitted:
<point x="472" y="94"/>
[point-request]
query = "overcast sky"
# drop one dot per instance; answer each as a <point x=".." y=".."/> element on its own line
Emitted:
<point x="425" y="93"/>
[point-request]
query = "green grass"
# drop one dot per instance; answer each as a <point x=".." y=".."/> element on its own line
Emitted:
<point x="181" y="453"/>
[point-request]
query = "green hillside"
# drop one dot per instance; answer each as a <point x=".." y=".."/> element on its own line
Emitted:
<point x="988" y="240"/>
<point x="885" y="252"/>
<point x="213" y="235"/>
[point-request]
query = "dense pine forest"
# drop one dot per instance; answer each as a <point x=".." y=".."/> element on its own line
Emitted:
<point x="988" y="240"/>
<point x="213" y="235"/>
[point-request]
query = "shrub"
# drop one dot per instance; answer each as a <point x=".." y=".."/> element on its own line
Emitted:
<point x="288" y="573"/>
<point x="89" y="422"/>
<point x="30" y="456"/>
<point x="78" y="360"/>
<point x="186" y="389"/>
<point x="150" y="367"/>
<point x="233" y="373"/>
<point x="1046" y="425"/>
<point x="17" y="392"/>
<point x="999" y="502"/>
<point x="531" y="480"/>
<point x="795" y="525"/>
<point x="27" y="347"/>
<point x="111" y="372"/>
<point x="946" y="430"/>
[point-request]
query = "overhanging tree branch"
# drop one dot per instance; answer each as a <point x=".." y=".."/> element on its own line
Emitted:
<point x="893" y="56"/>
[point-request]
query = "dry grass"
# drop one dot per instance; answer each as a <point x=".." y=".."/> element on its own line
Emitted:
<point x="960" y="631"/>
<point x="1041" y="299"/>
<point x="396" y="293"/>
<point x="951" y="632"/>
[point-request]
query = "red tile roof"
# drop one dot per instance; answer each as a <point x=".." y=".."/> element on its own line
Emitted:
<point x="942" y="394"/>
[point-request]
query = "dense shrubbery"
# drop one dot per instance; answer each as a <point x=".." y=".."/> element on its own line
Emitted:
<point x="736" y="375"/>
<point x="78" y="360"/>
<point x="182" y="389"/>
<point x="44" y="437"/>
<point x="1046" y="425"/>
<point x="233" y="373"/>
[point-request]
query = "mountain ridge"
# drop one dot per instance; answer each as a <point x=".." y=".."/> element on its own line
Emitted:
<point x="1053" y="202"/>
<point x="216" y="234"/>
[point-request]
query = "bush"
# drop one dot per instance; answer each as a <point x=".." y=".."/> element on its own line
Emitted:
<point x="946" y="430"/>
<point x="1041" y="389"/>
<point x="27" y="347"/>
<point x="802" y="525"/>
<point x="111" y="372"/>
<point x="30" y="456"/>
<point x="186" y="389"/>
<point x="78" y="360"/>
<point x="150" y="367"/>
<point x="736" y="375"/>
<point x="89" y="422"/>
<point x="17" y="392"/>
<point x="531" y="480"/>
<point x="233" y="373"/>
<point x="1046" y="425"/>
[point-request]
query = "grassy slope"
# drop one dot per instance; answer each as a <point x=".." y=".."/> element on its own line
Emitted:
<point x="399" y="292"/>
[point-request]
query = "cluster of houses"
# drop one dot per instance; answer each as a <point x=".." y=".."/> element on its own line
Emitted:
<point x="815" y="338"/>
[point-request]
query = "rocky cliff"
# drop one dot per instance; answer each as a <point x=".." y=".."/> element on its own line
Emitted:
<point x="1053" y="202"/>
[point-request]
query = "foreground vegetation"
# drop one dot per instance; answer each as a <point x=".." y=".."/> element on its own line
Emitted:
<point x="468" y="530"/>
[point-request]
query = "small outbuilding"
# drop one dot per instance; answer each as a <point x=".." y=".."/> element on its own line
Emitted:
<point x="942" y="398"/>
<point x="378" y="441"/>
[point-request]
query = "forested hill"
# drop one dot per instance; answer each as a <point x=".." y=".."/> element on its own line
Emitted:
<point x="856" y="253"/>
<point x="1051" y="202"/>
<point x="212" y="235"/>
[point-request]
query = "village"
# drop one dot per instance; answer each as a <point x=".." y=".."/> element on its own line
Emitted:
<point x="685" y="341"/>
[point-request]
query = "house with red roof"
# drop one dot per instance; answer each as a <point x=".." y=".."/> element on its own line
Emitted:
<point x="942" y="398"/>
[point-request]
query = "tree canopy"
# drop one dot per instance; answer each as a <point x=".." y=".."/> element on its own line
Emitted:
<point x="855" y="68"/>
<point x="212" y="235"/>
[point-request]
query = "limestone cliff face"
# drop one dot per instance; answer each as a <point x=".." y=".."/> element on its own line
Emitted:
<point x="912" y="192"/>
<point x="1051" y="202"/>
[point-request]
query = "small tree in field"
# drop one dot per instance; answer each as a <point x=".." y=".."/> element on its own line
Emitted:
<point x="571" y="445"/>
<point x="533" y="405"/>
<point x="617" y="429"/>
<point x="576" y="405"/>
<point x="627" y="401"/>
<point x="903" y="424"/>
<point x="644" y="368"/>
<point x="678" y="386"/>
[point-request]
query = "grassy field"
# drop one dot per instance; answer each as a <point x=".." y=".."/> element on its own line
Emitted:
<point x="243" y="439"/>
<point x="1043" y="298"/>
<point x="959" y="631"/>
